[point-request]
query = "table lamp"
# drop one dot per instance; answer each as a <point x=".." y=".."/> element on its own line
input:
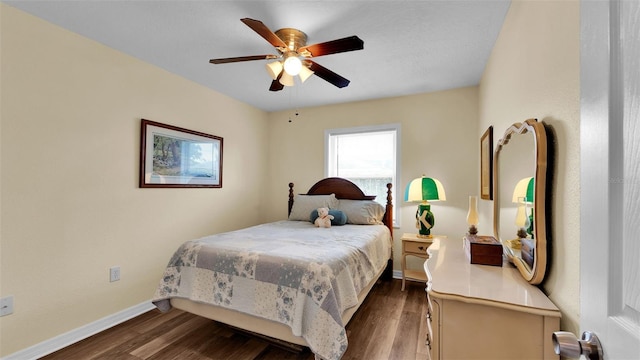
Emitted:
<point x="472" y="215"/>
<point x="423" y="190"/>
<point x="523" y="193"/>
<point x="522" y="220"/>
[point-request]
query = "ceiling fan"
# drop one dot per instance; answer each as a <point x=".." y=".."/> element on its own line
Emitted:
<point x="294" y="55"/>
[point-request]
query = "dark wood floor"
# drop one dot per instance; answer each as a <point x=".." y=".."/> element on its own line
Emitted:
<point x="389" y="325"/>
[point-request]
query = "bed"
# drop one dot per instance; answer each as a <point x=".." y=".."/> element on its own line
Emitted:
<point x="288" y="280"/>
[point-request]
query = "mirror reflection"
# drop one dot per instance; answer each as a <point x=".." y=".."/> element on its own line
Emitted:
<point x="520" y="173"/>
<point x="517" y="166"/>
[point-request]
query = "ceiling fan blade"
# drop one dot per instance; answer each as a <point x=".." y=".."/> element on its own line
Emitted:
<point x="276" y="86"/>
<point x="350" y="43"/>
<point x="242" y="58"/>
<point x="327" y="74"/>
<point x="265" y="32"/>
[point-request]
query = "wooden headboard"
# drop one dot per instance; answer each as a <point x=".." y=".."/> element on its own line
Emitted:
<point x="345" y="189"/>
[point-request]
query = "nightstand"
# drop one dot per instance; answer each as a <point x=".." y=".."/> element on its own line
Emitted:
<point x="412" y="245"/>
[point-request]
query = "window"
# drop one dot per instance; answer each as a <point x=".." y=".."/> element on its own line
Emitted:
<point x="368" y="156"/>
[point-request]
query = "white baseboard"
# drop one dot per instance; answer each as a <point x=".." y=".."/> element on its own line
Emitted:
<point x="397" y="274"/>
<point x="54" y="344"/>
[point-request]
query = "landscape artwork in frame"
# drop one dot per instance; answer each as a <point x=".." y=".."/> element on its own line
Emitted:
<point x="173" y="157"/>
<point x="486" y="164"/>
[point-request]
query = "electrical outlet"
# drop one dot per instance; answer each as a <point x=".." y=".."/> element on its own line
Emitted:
<point x="6" y="305"/>
<point x="114" y="274"/>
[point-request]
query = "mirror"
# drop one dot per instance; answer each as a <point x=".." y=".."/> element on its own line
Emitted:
<point x="519" y="204"/>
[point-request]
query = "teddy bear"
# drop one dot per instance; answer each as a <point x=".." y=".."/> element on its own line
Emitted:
<point x="324" y="219"/>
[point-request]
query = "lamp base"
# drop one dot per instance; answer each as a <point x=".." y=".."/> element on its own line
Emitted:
<point x="424" y="220"/>
<point x="522" y="233"/>
<point x="420" y="236"/>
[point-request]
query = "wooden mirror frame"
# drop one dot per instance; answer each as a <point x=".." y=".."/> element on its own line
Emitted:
<point x="536" y="274"/>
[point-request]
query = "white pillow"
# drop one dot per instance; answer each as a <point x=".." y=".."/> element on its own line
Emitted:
<point x="303" y="205"/>
<point x="362" y="212"/>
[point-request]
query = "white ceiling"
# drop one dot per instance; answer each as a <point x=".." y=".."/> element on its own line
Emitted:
<point x="409" y="46"/>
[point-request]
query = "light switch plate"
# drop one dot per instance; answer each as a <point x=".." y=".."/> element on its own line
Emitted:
<point x="114" y="273"/>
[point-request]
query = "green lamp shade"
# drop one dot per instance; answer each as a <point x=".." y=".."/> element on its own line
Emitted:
<point x="424" y="189"/>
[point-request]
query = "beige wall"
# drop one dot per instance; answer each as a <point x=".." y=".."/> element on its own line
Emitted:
<point x="71" y="206"/>
<point x="534" y="71"/>
<point x="438" y="138"/>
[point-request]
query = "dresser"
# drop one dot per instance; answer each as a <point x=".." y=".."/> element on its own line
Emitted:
<point x="482" y="311"/>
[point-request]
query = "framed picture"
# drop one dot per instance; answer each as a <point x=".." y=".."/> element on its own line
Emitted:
<point x="486" y="164"/>
<point x="173" y="157"/>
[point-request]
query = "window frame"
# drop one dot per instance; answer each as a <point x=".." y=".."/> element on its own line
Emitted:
<point x="395" y="127"/>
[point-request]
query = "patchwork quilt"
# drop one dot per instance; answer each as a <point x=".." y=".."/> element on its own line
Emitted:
<point x="287" y="271"/>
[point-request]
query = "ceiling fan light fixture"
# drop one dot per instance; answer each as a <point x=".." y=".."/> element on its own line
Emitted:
<point x="292" y="64"/>
<point x="294" y="55"/>
<point x="274" y="69"/>
<point x="286" y="79"/>
<point x="305" y="73"/>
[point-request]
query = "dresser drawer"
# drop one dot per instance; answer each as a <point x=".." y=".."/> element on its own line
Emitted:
<point x="429" y="320"/>
<point x="416" y="247"/>
<point x="434" y="339"/>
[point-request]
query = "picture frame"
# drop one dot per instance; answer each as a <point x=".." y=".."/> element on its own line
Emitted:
<point x="486" y="164"/>
<point x="173" y="157"/>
